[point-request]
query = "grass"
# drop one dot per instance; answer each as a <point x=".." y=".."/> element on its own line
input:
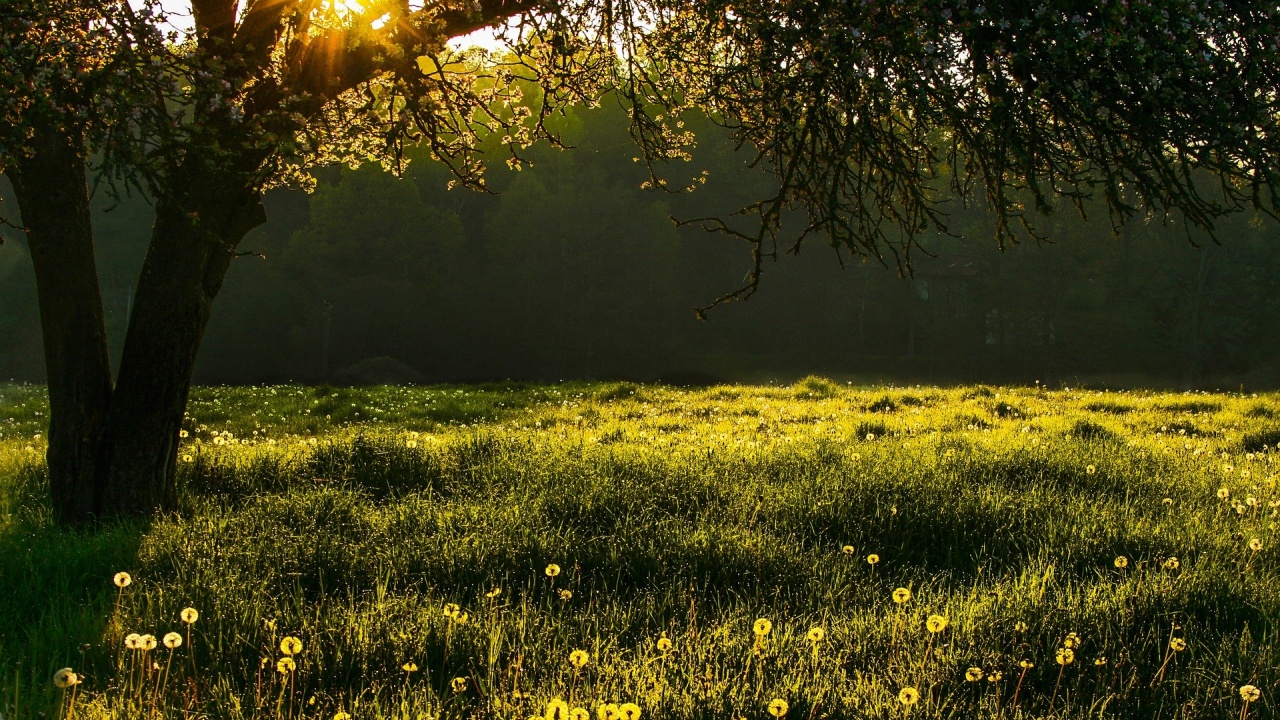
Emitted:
<point x="352" y="518"/>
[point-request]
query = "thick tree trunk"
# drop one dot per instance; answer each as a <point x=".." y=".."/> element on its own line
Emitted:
<point x="53" y="197"/>
<point x="192" y="245"/>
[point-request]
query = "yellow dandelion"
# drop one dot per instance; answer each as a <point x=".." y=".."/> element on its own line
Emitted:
<point x="996" y="676"/>
<point x="973" y="674"/>
<point x="1122" y="562"/>
<point x="816" y="635"/>
<point x="1255" y="544"/>
<point x="1072" y="641"/>
<point x="411" y="443"/>
<point x="607" y="711"/>
<point x="664" y="644"/>
<point x="908" y="696"/>
<point x="557" y="710"/>
<point x="410" y="667"/>
<point x="902" y="596"/>
<point x="566" y="595"/>
<point x="65" y="678"/>
<point x="762" y="627"/>
<point x="493" y="593"/>
<point x="147" y="642"/>
<point x="936" y="623"/>
<point x="1026" y="664"/>
<point x="286" y="665"/>
<point x="458" y="684"/>
<point x="1066" y="656"/>
<point x="629" y="711"/>
<point x="873" y="558"/>
<point x="848" y="550"/>
<point x="451" y="610"/>
<point x="131" y="641"/>
<point x="172" y="640"/>
<point x="341" y="715"/>
<point x="290" y="645"/>
<point x="1250" y="693"/>
<point x="553" y="570"/>
<point x="578" y="658"/>
<point x="1223" y="493"/>
<point x="1177" y="644"/>
<point x="1167" y="501"/>
<point x="1091" y="469"/>
<point x="778" y="707"/>
<point x="579" y="714"/>
<point x="1100" y="660"/>
<point x="122" y="579"/>
<point x="189" y="615"/>
<point x="1172" y="564"/>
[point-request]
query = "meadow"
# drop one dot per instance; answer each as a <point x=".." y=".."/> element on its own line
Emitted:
<point x="620" y="551"/>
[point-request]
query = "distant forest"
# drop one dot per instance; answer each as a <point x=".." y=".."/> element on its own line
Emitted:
<point x="571" y="270"/>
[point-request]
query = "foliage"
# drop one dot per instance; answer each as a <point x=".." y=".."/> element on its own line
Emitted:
<point x="354" y="519"/>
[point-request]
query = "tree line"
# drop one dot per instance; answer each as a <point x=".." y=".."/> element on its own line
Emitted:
<point x="572" y="270"/>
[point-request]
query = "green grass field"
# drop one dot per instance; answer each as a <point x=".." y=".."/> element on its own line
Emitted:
<point x="406" y="536"/>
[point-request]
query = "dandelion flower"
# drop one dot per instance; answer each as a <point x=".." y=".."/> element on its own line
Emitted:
<point x="65" y="678"/>
<point x="908" y="696"/>
<point x="1250" y="693"/>
<point x="553" y="570"/>
<point x="1100" y="660"/>
<point x="1122" y="562"/>
<point x="1091" y="469"/>
<point x="458" y="684"/>
<point x="1177" y="644"/>
<point x="902" y="596"/>
<point x="762" y="627"/>
<point x="1172" y="564"/>
<point x="579" y="714"/>
<point x="873" y="558"/>
<point x="1066" y="656"/>
<point x="664" y="644"/>
<point x="973" y="674"/>
<point x="493" y="593"/>
<point x="189" y="615"/>
<point x="131" y="641"/>
<point x="629" y="711"/>
<point x="341" y="715"/>
<point x="778" y="707"/>
<point x="936" y="623"/>
<point x="566" y="595"/>
<point x="816" y="635"/>
<point x="578" y="658"/>
<point x="122" y="579"/>
<point x="1223" y="493"/>
<point x="147" y="642"/>
<point x="1026" y="664"/>
<point x="286" y="665"/>
<point x="290" y="645"/>
<point x="172" y="640"/>
<point x="410" y="667"/>
<point x="557" y="710"/>
<point x="411" y="443"/>
<point x="1071" y="641"/>
<point x="1167" y="501"/>
<point x="848" y="550"/>
<point x="1255" y="544"/>
<point x="607" y="711"/>
<point x="996" y="676"/>
<point x="451" y="610"/>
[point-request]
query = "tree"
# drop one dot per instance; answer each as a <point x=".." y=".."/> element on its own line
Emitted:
<point x="863" y="112"/>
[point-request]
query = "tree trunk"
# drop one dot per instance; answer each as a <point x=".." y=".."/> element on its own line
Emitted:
<point x="192" y="244"/>
<point x="53" y="197"/>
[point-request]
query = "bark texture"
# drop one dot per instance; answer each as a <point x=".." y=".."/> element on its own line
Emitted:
<point x="53" y="197"/>
<point x="192" y="245"/>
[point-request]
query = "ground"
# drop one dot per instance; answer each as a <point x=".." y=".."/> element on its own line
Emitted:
<point x="725" y="552"/>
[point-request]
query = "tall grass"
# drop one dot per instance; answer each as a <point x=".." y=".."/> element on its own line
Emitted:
<point x="354" y="520"/>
